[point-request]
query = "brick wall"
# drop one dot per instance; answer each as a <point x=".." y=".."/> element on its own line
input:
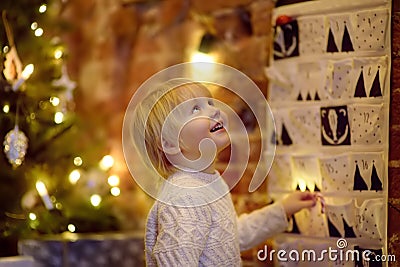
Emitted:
<point x="394" y="136"/>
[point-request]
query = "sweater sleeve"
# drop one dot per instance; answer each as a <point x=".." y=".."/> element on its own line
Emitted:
<point x="261" y="224"/>
<point x="182" y="236"/>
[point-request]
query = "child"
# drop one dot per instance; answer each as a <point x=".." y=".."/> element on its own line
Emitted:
<point x="194" y="222"/>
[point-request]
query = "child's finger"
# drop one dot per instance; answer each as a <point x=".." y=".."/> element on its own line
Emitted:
<point x="307" y="203"/>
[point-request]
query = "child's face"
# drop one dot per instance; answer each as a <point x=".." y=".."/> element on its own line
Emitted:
<point x="200" y="120"/>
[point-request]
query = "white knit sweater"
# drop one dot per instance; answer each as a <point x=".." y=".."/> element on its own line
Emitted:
<point x="205" y="235"/>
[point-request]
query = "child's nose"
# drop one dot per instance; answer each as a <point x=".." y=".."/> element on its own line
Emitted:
<point x="216" y="113"/>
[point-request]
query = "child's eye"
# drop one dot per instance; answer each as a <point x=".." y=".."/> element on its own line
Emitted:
<point x="211" y="102"/>
<point x="195" y="109"/>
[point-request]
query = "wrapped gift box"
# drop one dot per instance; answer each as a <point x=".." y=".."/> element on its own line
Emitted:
<point x="17" y="261"/>
<point x="121" y="249"/>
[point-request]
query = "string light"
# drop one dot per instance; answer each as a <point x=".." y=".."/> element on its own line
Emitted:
<point x="32" y="216"/>
<point x="42" y="8"/>
<point x="115" y="191"/>
<point x="71" y="228"/>
<point x="113" y="180"/>
<point x="58" y="54"/>
<point x="74" y="176"/>
<point x="27" y="72"/>
<point x="42" y="190"/>
<point x="58" y="117"/>
<point x="78" y="161"/>
<point x="106" y="162"/>
<point x="55" y="101"/>
<point x="38" y="32"/>
<point x="6" y="108"/>
<point x="34" y="26"/>
<point x="95" y="200"/>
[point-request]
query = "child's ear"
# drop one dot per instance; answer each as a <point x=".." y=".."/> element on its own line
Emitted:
<point x="169" y="148"/>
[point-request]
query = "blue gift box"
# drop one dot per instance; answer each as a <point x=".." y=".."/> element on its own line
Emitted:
<point x="70" y="250"/>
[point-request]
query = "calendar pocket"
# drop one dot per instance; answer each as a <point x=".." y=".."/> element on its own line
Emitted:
<point x="281" y="86"/>
<point x="280" y="177"/>
<point x="312" y="34"/>
<point x="374" y="256"/>
<point x="304" y="125"/>
<point x="368" y="171"/>
<point x="282" y="136"/>
<point x="309" y="81"/>
<point x="286" y="40"/>
<point x="335" y="173"/>
<point x="306" y="169"/>
<point x="311" y="222"/>
<point x="339" y="80"/>
<point x="335" y="129"/>
<point x="341" y="219"/>
<point x="370" y="75"/>
<point x="340" y="33"/>
<point x="369" y="223"/>
<point x="370" y="29"/>
<point x="366" y="123"/>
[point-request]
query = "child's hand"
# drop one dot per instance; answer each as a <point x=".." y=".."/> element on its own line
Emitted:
<point x="297" y="201"/>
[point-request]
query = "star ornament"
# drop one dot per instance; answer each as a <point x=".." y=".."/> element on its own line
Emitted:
<point x="66" y="82"/>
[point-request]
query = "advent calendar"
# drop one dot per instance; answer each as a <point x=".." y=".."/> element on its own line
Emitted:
<point x="329" y="92"/>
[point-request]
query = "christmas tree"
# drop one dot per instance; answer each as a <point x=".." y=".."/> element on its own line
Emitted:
<point x="52" y="179"/>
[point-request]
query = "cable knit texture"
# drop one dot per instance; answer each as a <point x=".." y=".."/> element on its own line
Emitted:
<point x="189" y="234"/>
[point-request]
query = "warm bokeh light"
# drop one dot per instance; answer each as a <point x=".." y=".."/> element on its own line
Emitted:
<point x="34" y="26"/>
<point x="58" y="117"/>
<point x="115" y="191"/>
<point x="58" y="54"/>
<point x="27" y="72"/>
<point x="202" y="57"/>
<point x="55" y="101"/>
<point x="32" y="216"/>
<point x="39" y="32"/>
<point x="74" y="176"/>
<point x="204" y="72"/>
<point x="106" y="162"/>
<point x="113" y="180"/>
<point x="95" y="200"/>
<point x="41" y="188"/>
<point x="71" y="228"/>
<point x="78" y="161"/>
<point x="6" y="108"/>
<point x="42" y="8"/>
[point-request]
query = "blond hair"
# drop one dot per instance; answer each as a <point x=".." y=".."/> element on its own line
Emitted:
<point x="149" y="119"/>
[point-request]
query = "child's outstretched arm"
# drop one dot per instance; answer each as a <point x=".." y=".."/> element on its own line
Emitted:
<point x="270" y="220"/>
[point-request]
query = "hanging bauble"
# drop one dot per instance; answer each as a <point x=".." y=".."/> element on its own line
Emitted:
<point x="15" y="146"/>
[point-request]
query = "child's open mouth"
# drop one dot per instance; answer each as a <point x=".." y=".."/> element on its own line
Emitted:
<point x="217" y="127"/>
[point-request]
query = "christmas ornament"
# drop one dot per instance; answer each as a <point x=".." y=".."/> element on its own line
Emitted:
<point x="12" y="66"/>
<point x="66" y="82"/>
<point x="15" y="146"/>
<point x="283" y="19"/>
<point x="69" y="85"/>
<point x="12" y="70"/>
